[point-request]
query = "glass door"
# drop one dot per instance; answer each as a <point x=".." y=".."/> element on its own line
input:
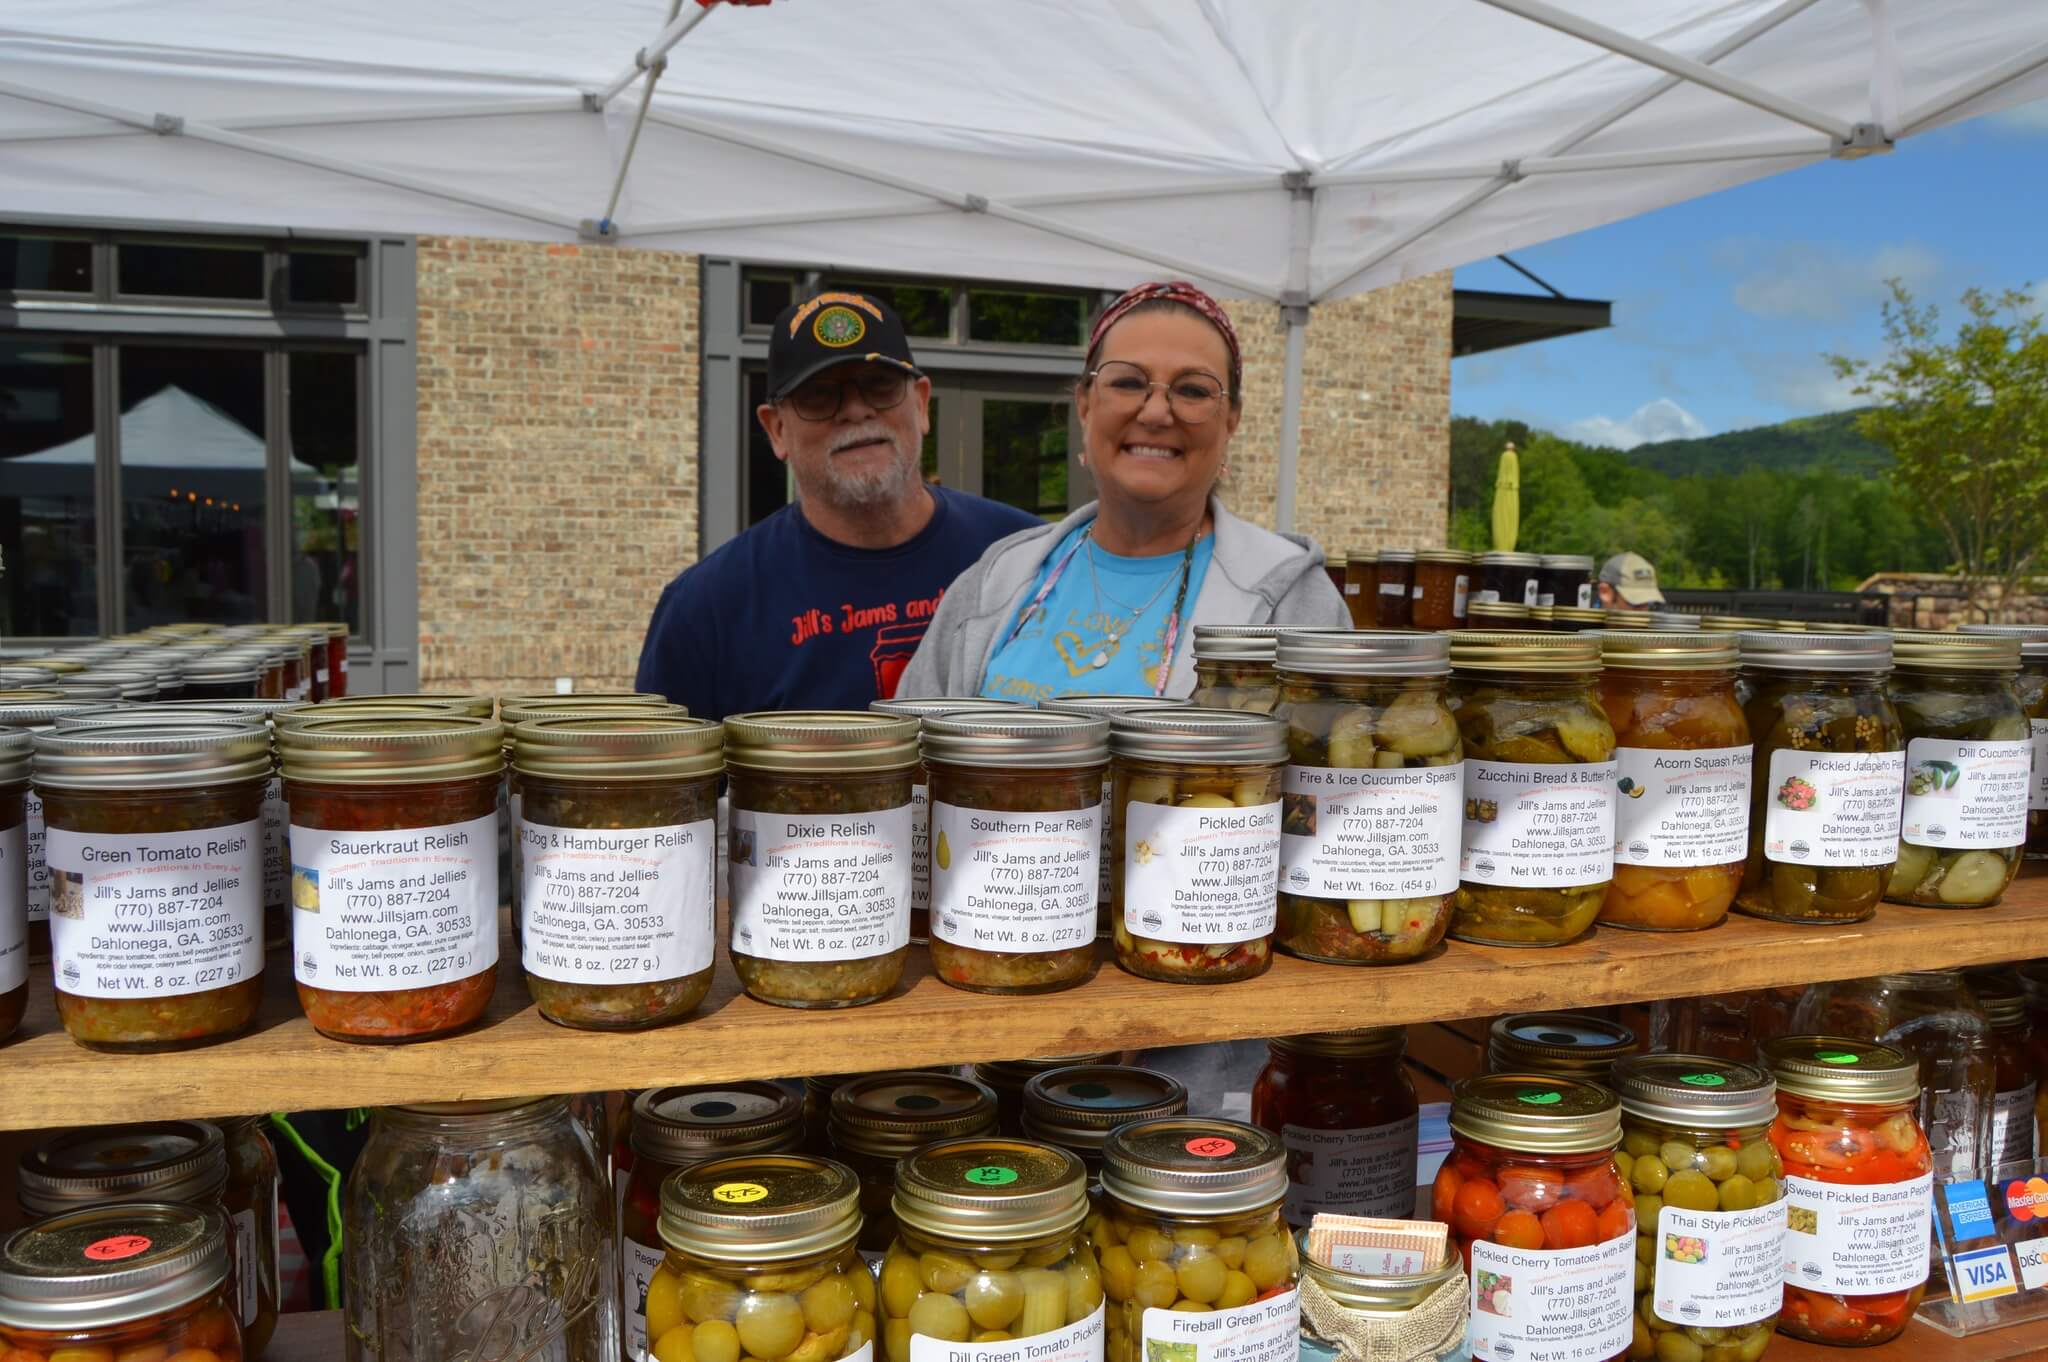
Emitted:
<point x="1011" y="441"/>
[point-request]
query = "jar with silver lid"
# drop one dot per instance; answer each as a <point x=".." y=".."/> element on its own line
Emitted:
<point x="1565" y="579"/>
<point x="1510" y="578"/>
<point x="1354" y="1316"/>
<point x="1107" y="706"/>
<point x="2032" y="688"/>
<point x="1234" y="667"/>
<point x="223" y="676"/>
<point x="877" y="1119"/>
<point x="920" y="796"/>
<point x="1562" y="1044"/>
<point x="15" y="748"/>
<point x="1077" y="1106"/>
<point x="1006" y="1079"/>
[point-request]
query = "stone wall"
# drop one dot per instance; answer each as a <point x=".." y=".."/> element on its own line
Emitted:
<point x="1930" y="600"/>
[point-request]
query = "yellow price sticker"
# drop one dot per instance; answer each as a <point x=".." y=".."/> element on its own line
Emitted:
<point x="738" y="1193"/>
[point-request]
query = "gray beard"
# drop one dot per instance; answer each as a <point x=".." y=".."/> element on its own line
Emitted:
<point x="863" y="491"/>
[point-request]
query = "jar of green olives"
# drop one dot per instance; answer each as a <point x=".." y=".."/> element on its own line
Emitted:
<point x="1078" y="1106"/>
<point x="2032" y="688"/>
<point x="1538" y="843"/>
<point x="760" y="1264"/>
<point x="1710" y="1234"/>
<point x="1234" y="667"/>
<point x="1969" y="757"/>
<point x="878" y="1119"/>
<point x="1561" y="1044"/>
<point x="1828" y="777"/>
<point x="989" y="1249"/>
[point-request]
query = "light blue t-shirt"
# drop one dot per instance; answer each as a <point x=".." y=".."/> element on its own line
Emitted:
<point x="1054" y="653"/>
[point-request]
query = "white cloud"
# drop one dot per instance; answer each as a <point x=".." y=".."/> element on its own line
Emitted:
<point x="1808" y="281"/>
<point x="1661" y="419"/>
<point x="1806" y="384"/>
<point x="2027" y="118"/>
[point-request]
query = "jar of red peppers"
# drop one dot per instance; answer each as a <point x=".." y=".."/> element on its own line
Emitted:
<point x="2032" y="687"/>
<point x="1859" y="1188"/>
<point x="14" y="757"/>
<point x="1346" y="1113"/>
<point x="1536" y="1205"/>
<point x="1562" y="1044"/>
<point x="396" y="821"/>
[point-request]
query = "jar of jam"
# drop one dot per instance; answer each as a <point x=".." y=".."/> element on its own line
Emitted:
<point x="1006" y="1078"/>
<point x="989" y="1249"/>
<point x="2032" y="688"/>
<point x="1395" y="575"/>
<point x="1565" y="579"/>
<point x="1509" y="578"/>
<point x="1512" y="616"/>
<point x="2014" y="1085"/>
<point x="337" y="658"/>
<point x="1234" y="667"/>
<point x="1413" y="1318"/>
<point x="1538" y="844"/>
<point x="15" y="747"/>
<point x="1682" y="763"/>
<point x="1855" y="1262"/>
<point x="1710" y="1232"/>
<point x="877" y="1119"/>
<point x="163" y="824"/>
<point x="820" y="793"/>
<point x="1828" y="743"/>
<point x="1192" y="1245"/>
<point x="1561" y="1044"/>
<point x="269" y="667"/>
<point x="1016" y="814"/>
<point x="1362" y="588"/>
<point x="1370" y="738"/>
<point x="131" y="1281"/>
<point x="222" y="677"/>
<point x="1346" y="1113"/>
<point x="1443" y="588"/>
<point x="1195" y="836"/>
<point x="1077" y="1107"/>
<point x="250" y="1199"/>
<point x="382" y="812"/>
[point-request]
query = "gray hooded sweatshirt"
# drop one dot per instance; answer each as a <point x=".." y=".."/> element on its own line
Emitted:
<point x="1255" y="577"/>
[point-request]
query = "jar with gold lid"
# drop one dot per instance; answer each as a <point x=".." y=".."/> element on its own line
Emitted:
<point x="1234" y="667"/>
<point x="1443" y="588"/>
<point x="15" y="748"/>
<point x="1394" y="574"/>
<point x="1510" y="615"/>
<point x="1572" y="619"/>
<point x="1347" y="1115"/>
<point x="1562" y="1044"/>
<point x="920" y="796"/>
<point x="877" y="1119"/>
<point x="1626" y="619"/>
<point x="1362" y="588"/>
<point x="1076" y="1107"/>
<point x="1007" y="1078"/>
<point x="2032" y="687"/>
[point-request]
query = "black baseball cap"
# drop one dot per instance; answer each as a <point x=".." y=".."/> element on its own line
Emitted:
<point x="830" y="329"/>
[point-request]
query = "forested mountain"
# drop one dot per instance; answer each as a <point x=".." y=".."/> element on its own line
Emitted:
<point x="1796" y="446"/>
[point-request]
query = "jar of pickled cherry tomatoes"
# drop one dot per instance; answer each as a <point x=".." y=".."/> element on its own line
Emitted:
<point x="1346" y="1113"/>
<point x="1858" y="1188"/>
<point x="1532" y="1192"/>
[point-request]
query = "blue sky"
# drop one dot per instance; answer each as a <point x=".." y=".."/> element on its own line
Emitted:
<point x="1724" y="306"/>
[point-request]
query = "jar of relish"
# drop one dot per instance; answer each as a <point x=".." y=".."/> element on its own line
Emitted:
<point x="1346" y="1113"/>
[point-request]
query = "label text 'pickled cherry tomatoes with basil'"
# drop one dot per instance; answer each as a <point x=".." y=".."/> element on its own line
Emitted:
<point x="13" y="908"/>
<point x="1537" y="825"/>
<point x="1201" y="874"/>
<point x="1966" y="794"/>
<point x="1834" y="808"/>
<point x="1552" y="1305"/>
<point x="1368" y="1170"/>
<point x="401" y="908"/>
<point x="1353" y="833"/>
<point x="616" y="905"/>
<point x="1015" y="882"/>
<point x="1688" y="808"/>
<point x="820" y="886"/>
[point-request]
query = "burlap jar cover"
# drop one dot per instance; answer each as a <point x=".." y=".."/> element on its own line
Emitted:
<point x="1432" y="1330"/>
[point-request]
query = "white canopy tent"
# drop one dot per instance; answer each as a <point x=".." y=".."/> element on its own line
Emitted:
<point x="1290" y="150"/>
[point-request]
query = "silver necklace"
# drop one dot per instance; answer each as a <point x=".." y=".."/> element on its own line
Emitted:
<point x="1116" y="633"/>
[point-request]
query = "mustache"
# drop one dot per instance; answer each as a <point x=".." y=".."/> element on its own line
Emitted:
<point x="861" y="434"/>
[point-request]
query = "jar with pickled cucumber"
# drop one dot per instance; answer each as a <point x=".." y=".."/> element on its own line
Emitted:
<point x="1107" y="706"/>
<point x="1969" y="761"/>
<point x="821" y="813"/>
<point x="878" y="1119"/>
<point x="1830" y="772"/>
<point x="1194" y="1251"/>
<point x="1532" y="1191"/>
<point x="1419" y="1317"/>
<point x="1845" y="1120"/>
<point x="761" y="1264"/>
<point x="1077" y="1107"/>
<point x="2032" y="688"/>
<point x="1346" y="1113"/>
<point x="920" y="796"/>
<point x="1234" y="667"/>
<point x="1561" y="1044"/>
<point x="1538" y="837"/>
<point x="989" y="1250"/>
<point x="1371" y="798"/>
<point x="1195" y="837"/>
<point x="1708" y="1183"/>
<point x="15" y="748"/>
<point x="1007" y="1078"/>
<point x="1016" y="827"/>
<point x="1682" y="777"/>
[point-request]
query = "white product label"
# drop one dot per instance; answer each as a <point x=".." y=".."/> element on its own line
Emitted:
<point x="1485" y="596"/>
<point x="2037" y="785"/>
<point x="1461" y="596"/>
<point x="820" y="886"/>
<point x="1352" y="589"/>
<point x="2012" y="1126"/>
<point x="1201" y="875"/>
<point x="1719" y="1269"/>
<point x="514" y="812"/>
<point x="246" y="1274"/>
<point x="277" y="870"/>
<point x="1078" y="1342"/>
<point x="1350" y="833"/>
<point x="38" y="865"/>
<point x="920" y="848"/>
<point x="1585" y="595"/>
<point x="1545" y="597"/>
<point x="1966" y="794"/>
<point x="1369" y="1170"/>
<point x="13" y="908"/>
<point x="1552" y="1305"/>
<point x="405" y="908"/>
<point x="1264" y="1331"/>
<point x="1834" y="809"/>
<point x="1530" y="594"/>
<point x="1857" y="1240"/>
<point x="1108" y="862"/>
<point x="155" y="914"/>
<point x="1021" y="882"/>
<point x="618" y="905"/>
<point x="1394" y="589"/>
<point x="1681" y="808"/>
<point x="1543" y="826"/>
<point x="639" y="1262"/>
<point x="320" y="675"/>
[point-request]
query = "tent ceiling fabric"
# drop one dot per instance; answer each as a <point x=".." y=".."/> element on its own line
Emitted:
<point x="1088" y="142"/>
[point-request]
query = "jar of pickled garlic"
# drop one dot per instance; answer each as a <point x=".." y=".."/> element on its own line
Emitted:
<point x="1371" y="797"/>
<point x="1565" y="579"/>
<point x="1006" y="1078"/>
<point x="1346" y="1113"/>
<point x="134" y="1280"/>
<point x="1532" y="1192"/>
<point x="1195" y="835"/>
<point x="1443" y="588"/>
<point x="1350" y="1313"/>
<point x="1829" y="776"/>
<point x="1969" y="762"/>
<point x="2014" y="1087"/>
<point x="15" y="748"/>
<point x="1362" y="588"/>
<point x="1394" y="575"/>
<point x="162" y="825"/>
<point x="920" y="798"/>
<point x="1682" y="777"/>
<point x="877" y="1119"/>
<point x="1510" y="578"/>
<point x="1196" y="1259"/>
<point x="1561" y="1044"/>
<point x="1234" y="667"/>
<point x="821" y="813"/>
<point x="1078" y="1106"/>
<point x="394" y="821"/>
<point x="1710" y="1232"/>
<point x="1538" y="838"/>
<point x="989" y="1250"/>
<point x="2032" y="688"/>
<point x="1859" y="1188"/>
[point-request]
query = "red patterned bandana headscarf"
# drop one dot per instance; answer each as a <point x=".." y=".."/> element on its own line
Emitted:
<point x="1175" y="291"/>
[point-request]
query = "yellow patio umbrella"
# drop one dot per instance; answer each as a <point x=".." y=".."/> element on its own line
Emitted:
<point x="1507" y="501"/>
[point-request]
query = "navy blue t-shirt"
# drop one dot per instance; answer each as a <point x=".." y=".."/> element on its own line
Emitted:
<point x="784" y="618"/>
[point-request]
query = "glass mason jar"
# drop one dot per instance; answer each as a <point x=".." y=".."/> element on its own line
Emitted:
<point x="1572" y="619"/>
<point x="1532" y="1190"/>
<point x="133" y="1281"/>
<point x="2032" y="688"/>
<point x="1006" y="1078"/>
<point x="163" y="825"/>
<point x="989" y="1249"/>
<point x="1410" y="1309"/>
<point x="1538" y="838"/>
<point x="222" y="677"/>
<point x="1511" y="616"/>
<point x="1234" y="667"/>
<point x="268" y="665"/>
<point x="337" y="657"/>
<point x="1969" y="759"/>
<point x="1369" y="825"/>
<point x="1195" y="842"/>
<point x="1362" y="588"/>
<point x="821" y="814"/>
<point x="1016" y="830"/>
<point x="396" y="818"/>
<point x="1077" y="1107"/>
<point x="1346" y="1113"/>
<point x="920" y="798"/>
<point x="250" y="1199"/>
<point x="877" y="1119"/>
<point x="1827" y="741"/>
<point x="15" y="747"/>
<point x="1626" y="619"/>
<point x="32" y="717"/>
<point x="2014" y="1085"/>
<point x="1192" y="1245"/>
<point x="2033" y="977"/>
<point x="1725" y="1025"/>
<point x="1560" y="1044"/>
<point x="1710" y="1234"/>
<point x="1107" y="706"/>
<point x="1682" y="762"/>
<point x="1394" y="578"/>
<point x="1845" y="1118"/>
<point x="1508" y="578"/>
<point x="1443" y="588"/>
<point x="479" y="1229"/>
<point x="1565" y="579"/>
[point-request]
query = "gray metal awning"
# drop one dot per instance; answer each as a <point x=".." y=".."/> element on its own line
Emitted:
<point x="1482" y="320"/>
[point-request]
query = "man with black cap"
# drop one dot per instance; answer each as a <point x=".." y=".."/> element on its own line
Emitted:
<point x="821" y="605"/>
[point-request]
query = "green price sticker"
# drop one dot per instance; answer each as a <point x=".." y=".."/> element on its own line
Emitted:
<point x="1704" y="1080"/>
<point x="1836" y="1057"/>
<point x="991" y="1175"/>
<point x="1540" y="1099"/>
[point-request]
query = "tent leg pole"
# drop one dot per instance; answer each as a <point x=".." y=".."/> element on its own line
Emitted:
<point x="1296" y="319"/>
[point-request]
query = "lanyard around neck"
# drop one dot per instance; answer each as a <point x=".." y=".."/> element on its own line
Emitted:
<point x="1167" y="640"/>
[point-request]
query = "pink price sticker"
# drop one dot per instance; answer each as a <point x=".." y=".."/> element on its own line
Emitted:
<point x="1210" y="1146"/>
<point x="114" y="1249"/>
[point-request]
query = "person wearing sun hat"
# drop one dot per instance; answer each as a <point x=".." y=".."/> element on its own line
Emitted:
<point x="1629" y="582"/>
